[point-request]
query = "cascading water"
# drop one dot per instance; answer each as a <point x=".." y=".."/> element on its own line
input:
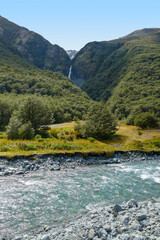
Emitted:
<point x="44" y="198"/>
<point x="70" y="72"/>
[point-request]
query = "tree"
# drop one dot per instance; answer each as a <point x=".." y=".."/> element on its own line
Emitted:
<point x="99" y="123"/>
<point x="26" y="131"/>
<point x="146" y="120"/>
<point x="12" y="128"/>
<point x="35" y="111"/>
<point x="5" y="113"/>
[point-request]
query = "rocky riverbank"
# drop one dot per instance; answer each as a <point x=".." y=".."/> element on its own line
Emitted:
<point x="20" y="165"/>
<point x="128" y="221"/>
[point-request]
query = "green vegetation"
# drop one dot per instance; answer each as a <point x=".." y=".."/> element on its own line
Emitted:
<point x="66" y="140"/>
<point x="99" y="123"/>
<point x="146" y="120"/>
<point x="124" y="72"/>
<point x="40" y="110"/>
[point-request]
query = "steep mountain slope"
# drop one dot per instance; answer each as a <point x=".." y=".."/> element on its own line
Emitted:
<point x="33" y="47"/>
<point x="20" y="76"/>
<point x="126" y="69"/>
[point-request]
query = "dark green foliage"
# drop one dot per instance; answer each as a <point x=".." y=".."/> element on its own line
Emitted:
<point x="146" y="120"/>
<point x="143" y="110"/>
<point x="125" y="72"/>
<point x="77" y="127"/>
<point x="43" y="132"/>
<point x="35" y="111"/>
<point x="99" y="122"/>
<point x="12" y="128"/>
<point x="5" y="113"/>
<point x="55" y="108"/>
<point x="26" y="131"/>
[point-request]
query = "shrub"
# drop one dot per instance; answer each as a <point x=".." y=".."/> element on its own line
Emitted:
<point x="61" y="135"/>
<point x="53" y="133"/>
<point x="26" y="131"/>
<point x="12" y="128"/>
<point x="91" y="139"/>
<point x="44" y="132"/>
<point x="38" y="136"/>
<point x="4" y="148"/>
<point x="99" y="123"/>
<point x="27" y="146"/>
<point x="77" y="127"/>
<point x="146" y="120"/>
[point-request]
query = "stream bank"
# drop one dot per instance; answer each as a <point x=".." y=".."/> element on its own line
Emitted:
<point x="20" y="165"/>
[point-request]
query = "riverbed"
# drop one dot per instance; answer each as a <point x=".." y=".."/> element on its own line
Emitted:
<point x="41" y="199"/>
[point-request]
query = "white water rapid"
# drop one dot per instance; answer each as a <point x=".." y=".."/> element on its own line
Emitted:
<point x="70" y="72"/>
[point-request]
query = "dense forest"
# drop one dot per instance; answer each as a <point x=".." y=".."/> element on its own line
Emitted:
<point x="123" y="72"/>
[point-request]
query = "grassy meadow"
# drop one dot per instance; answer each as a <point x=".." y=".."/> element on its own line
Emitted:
<point x="66" y="141"/>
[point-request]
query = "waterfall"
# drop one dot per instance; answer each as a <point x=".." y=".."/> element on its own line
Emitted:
<point x="70" y="72"/>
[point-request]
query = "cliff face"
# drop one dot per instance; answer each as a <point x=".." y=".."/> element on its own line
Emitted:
<point x="33" y="47"/>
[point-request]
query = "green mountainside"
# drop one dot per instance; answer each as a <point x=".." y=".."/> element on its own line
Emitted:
<point x="125" y="72"/>
<point x="22" y="76"/>
<point x="33" y="47"/>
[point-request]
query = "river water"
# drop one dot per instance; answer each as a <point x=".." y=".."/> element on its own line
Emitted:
<point x="30" y="202"/>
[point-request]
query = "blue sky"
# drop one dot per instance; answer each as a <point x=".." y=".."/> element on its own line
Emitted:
<point x="73" y="23"/>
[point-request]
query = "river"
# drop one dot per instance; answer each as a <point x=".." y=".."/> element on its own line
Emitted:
<point x="37" y="199"/>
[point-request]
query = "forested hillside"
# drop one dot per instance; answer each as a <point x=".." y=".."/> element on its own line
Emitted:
<point x="125" y="72"/>
<point x="21" y="80"/>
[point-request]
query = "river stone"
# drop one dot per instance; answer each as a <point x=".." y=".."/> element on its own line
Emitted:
<point x="134" y="225"/>
<point x="144" y="223"/>
<point x="102" y="233"/>
<point x="107" y="227"/>
<point x="125" y="237"/>
<point x="132" y="203"/>
<point x="6" y="173"/>
<point x="115" y="232"/>
<point x="141" y="217"/>
<point x="125" y="220"/>
<point x="2" y="167"/>
<point x="91" y="234"/>
<point x="19" y="173"/>
<point x="117" y="208"/>
<point x="96" y="238"/>
<point x="45" y="237"/>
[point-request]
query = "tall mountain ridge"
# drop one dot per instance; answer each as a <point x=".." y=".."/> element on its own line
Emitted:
<point x="33" y="47"/>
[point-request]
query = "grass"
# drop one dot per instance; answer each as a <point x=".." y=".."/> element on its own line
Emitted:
<point x="126" y="138"/>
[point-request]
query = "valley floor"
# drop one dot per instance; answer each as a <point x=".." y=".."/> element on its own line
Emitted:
<point x="127" y="138"/>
